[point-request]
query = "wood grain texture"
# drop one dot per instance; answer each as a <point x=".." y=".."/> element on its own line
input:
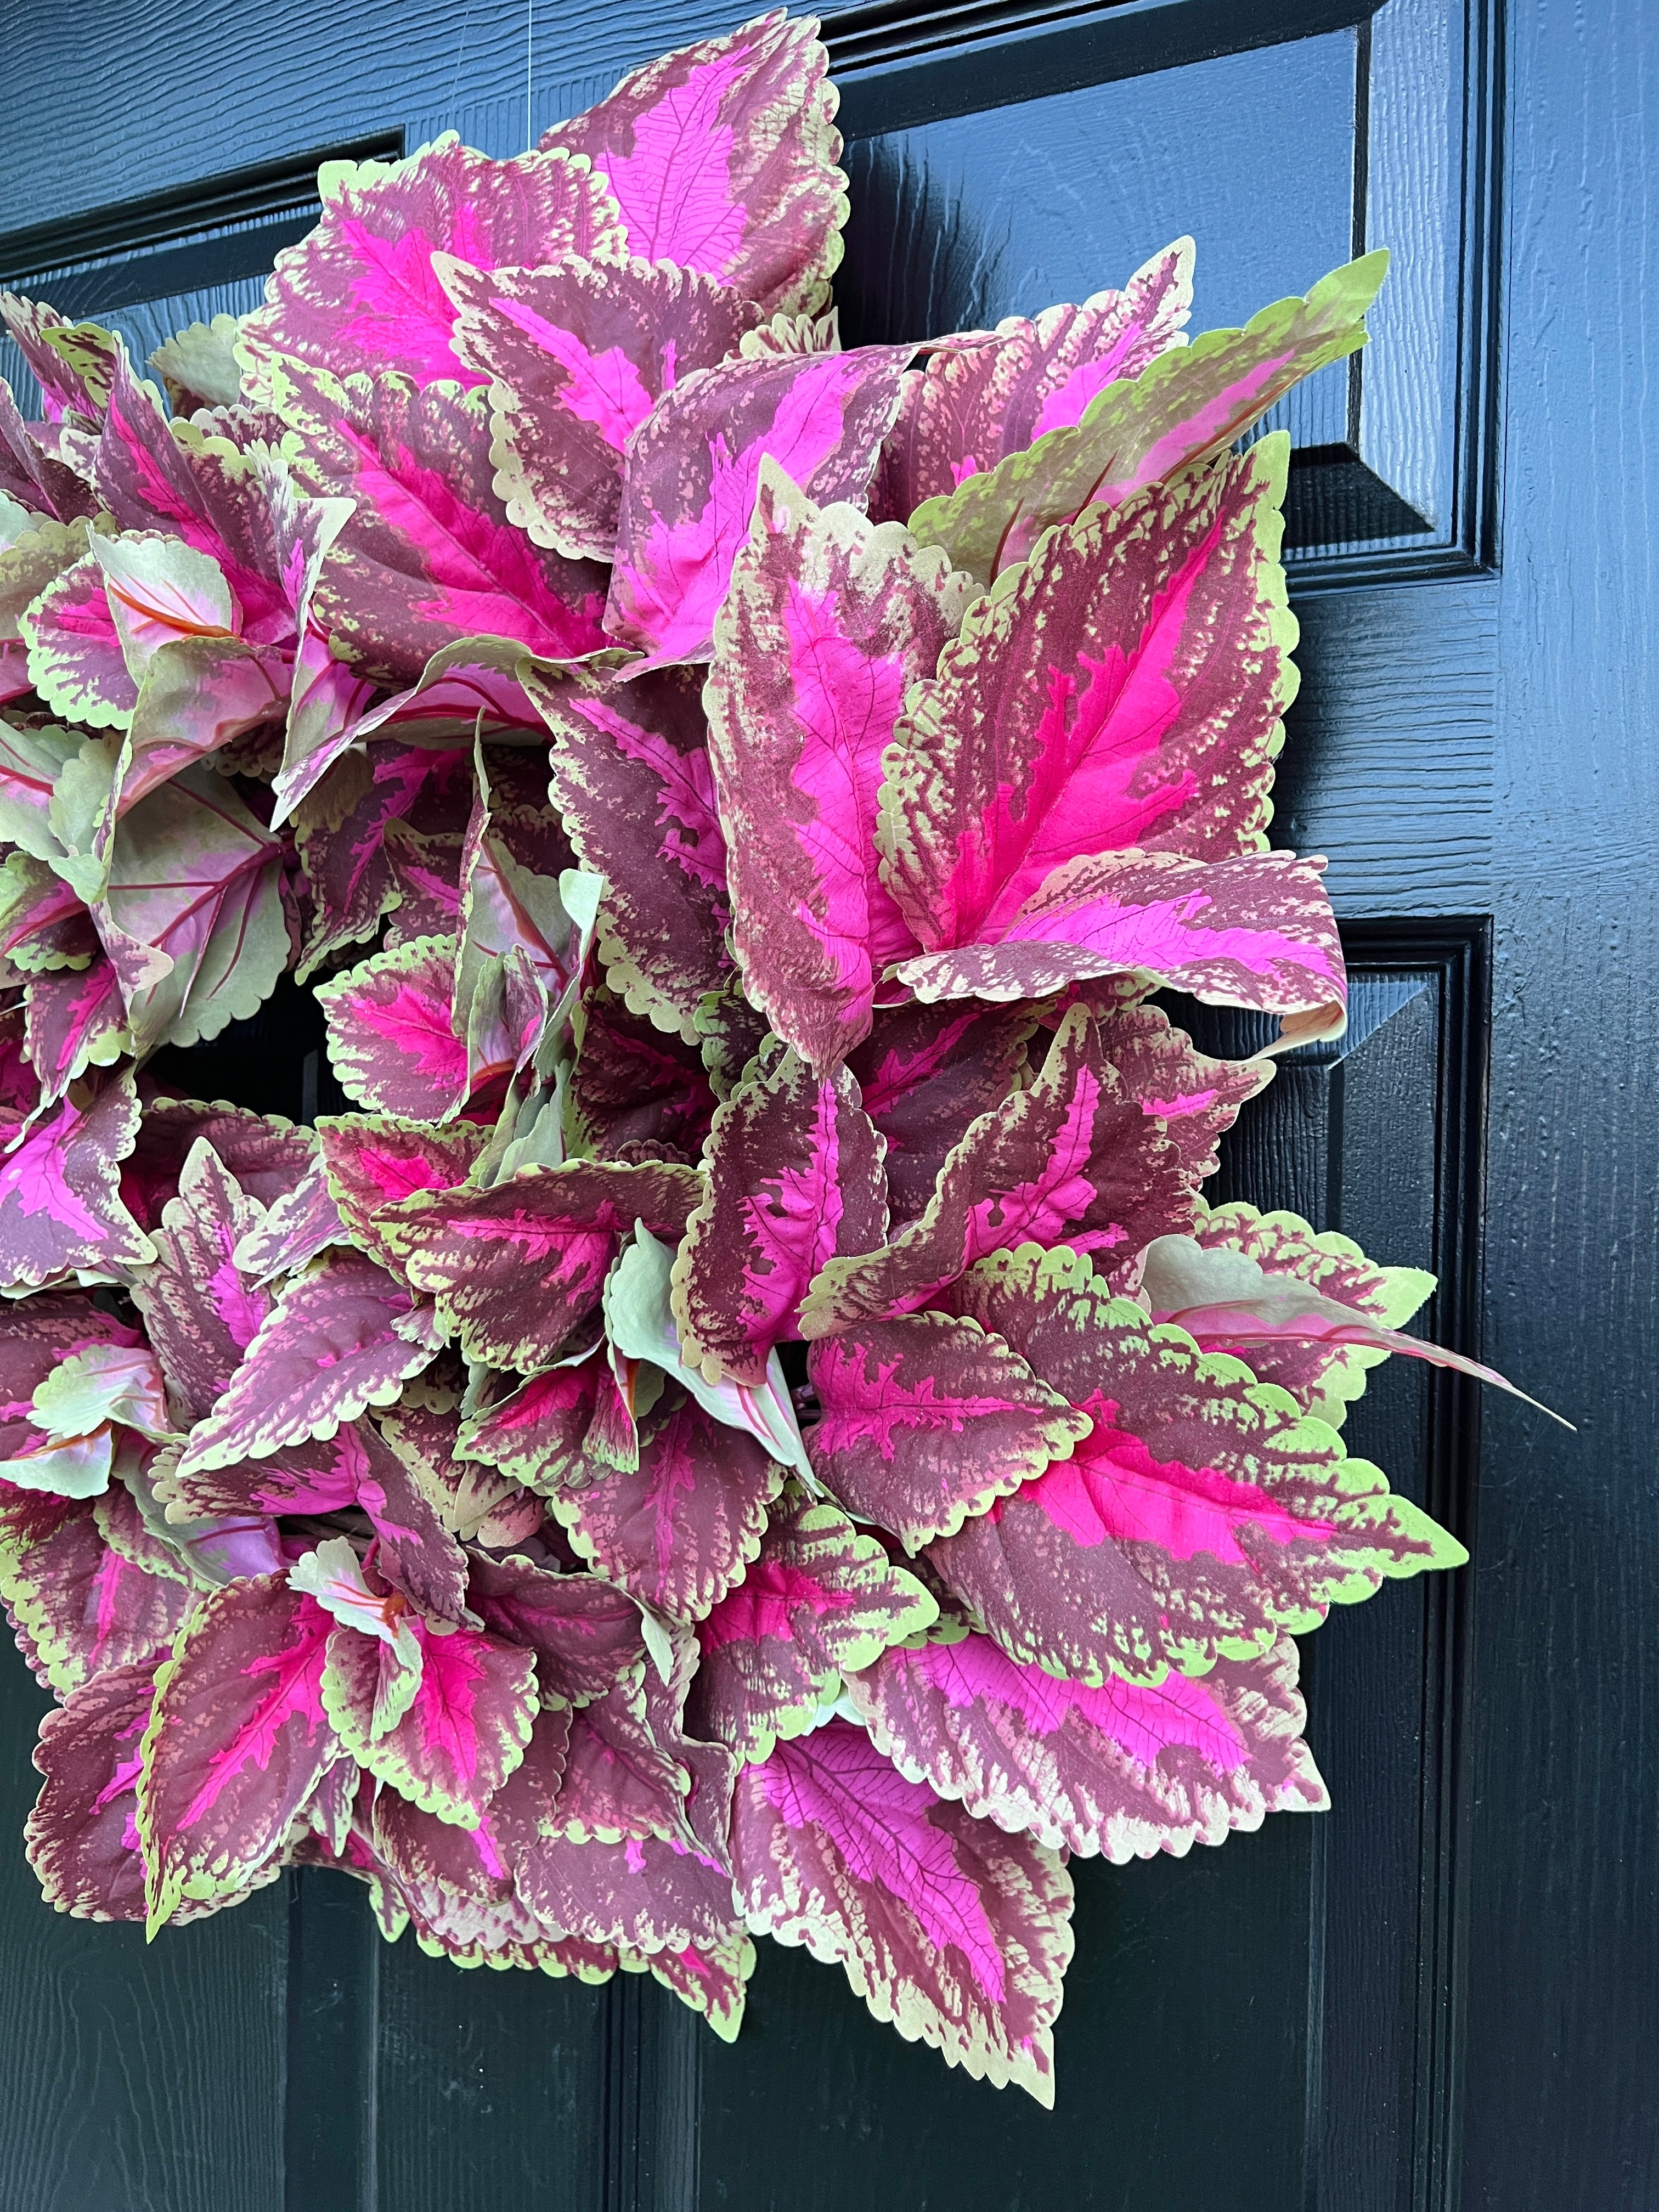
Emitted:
<point x="490" y="2086"/>
<point x="134" y="2079"/>
<point x="1388" y="760"/>
<point x="1563" y="2093"/>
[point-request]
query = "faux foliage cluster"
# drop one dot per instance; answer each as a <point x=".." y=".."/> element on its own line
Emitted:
<point x="749" y="1424"/>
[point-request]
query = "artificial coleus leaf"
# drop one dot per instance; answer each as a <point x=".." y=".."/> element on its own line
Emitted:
<point x="1123" y="1769"/>
<point x="61" y="1213"/>
<point x="79" y="1836"/>
<point x="335" y="708"/>
<point x="577" y="355"/>
<point x="212" y="1549"/>
<point x="1195" y="1099"/>
<point x="201" y="1313"/>
<point x="925" y="1421"/>
<point x="37" y="1335"/>
<point x="956" y="1932"/>
<point x="1188" y="405"/>
<point x="373" y="1160"/>
<point x="634" y="1084"/>
<point x="78" y="1605"/>
<point x="1226" y="1300"/>
<point x="1070" y="1158"/>
<point x="651" y="1894"/>
<point x="1202" y="1515"/>
<point x="829" y="623"/>
<point x="632" y="780"/>
<point x="924" y="1074"/>
<point x="43" y="468"/>
<point x="1323" y="1377"/>
<point x="473" y="1502"/>
<point x="692" y="470"/>
<point x="526" y="923"/>
<point x="80" y="1410"/>
<point x="821" y="1600"/>
<point x="73" y="1022"/>
<point x="390" y="1042"/>
<point x="993" y="393"/>
<point x="72" y="361"/>
<point x="268" y="1155"/>
<point x="347" y="830"/>
<point x="1257" y="931"/>
<point x="534" y="1432"/>
<point x="337" y="1578"/>
<point x="236" y="1742"/>
<point x="192" y="915"/>
<point x="679" y="1529"/>
<point x="43" y="924"/>
<point x="713" y="1982"/>
<point x="428" y="556"/>
<point x="354" y="1466"/>
<point x="230" y="499"/>
<point x="343" y="1335"/>
<point x="1125" y="688"/>
<point x="463" y="1732"/>
<point x="622" y="1780"/>
<point x="722" y="158"/>
<point x="302" y="1222"/>
<point x="793" y="1168"/>
<point x="640" y="1324"/>
<point x="584" y="1632"/>
<point x="198" y="365"/>
<point x="515" y="1269"/>
<point x="75" y="662"/>
<point x="358" y="292"/>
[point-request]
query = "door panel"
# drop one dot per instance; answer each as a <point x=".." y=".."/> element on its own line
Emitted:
<point x="1442" y="1991"/>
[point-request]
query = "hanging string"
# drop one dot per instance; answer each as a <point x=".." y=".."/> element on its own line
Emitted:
<point x="529" y="67"/>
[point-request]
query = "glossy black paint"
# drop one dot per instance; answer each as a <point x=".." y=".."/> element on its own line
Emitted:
<point x="1443" y="1993"/>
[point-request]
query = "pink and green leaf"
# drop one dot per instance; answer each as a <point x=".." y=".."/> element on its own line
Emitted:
<point x="994" y="394"/>
<point x="462" y="1733"/>
<point x="577" y="354"/>
<point x="237" y="1741"/>
<point x="200" y="1311"/>
<point x="428" y="556"/>
<point x="829" y="623"/>
<point x="1122" y="1770"/>
<point x="1256" y="931"/>
<point x="956" y="1932"/>
<point x="1185" y="407"/>
<point x="390" y="1042"/>
<point x="78" y="1606"/>
<point x="1203" y="1515"/>
<point x="1125" y="688"/>
<point x="924" y="1074"/>
<point x="516" y="1269"/>
<point x="584" y="1632"/>
<point x="632" y="780"/>
<point x="61" y="1212"/>
<point x="359" y="292"/>
<point x="821" y="1600"/>
<point x="693" y="469"/>
<point x="722" y="157"/>
<point x="342" y="1336"/>
<point x="680" y="1527"/>
<point x="793" y="1168"/>
<point x="925" y="1421"/>
<point x="79" y="1836"/>
<point x="1070" y="1159"/>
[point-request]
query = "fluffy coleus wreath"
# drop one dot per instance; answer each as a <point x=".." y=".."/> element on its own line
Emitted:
<point x="749" y="1426"/>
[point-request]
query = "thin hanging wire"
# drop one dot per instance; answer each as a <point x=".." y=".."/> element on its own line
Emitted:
<point x="529" y="71"/>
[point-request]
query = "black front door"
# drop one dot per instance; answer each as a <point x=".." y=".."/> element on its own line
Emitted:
<point x="1442" y="1992"/>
